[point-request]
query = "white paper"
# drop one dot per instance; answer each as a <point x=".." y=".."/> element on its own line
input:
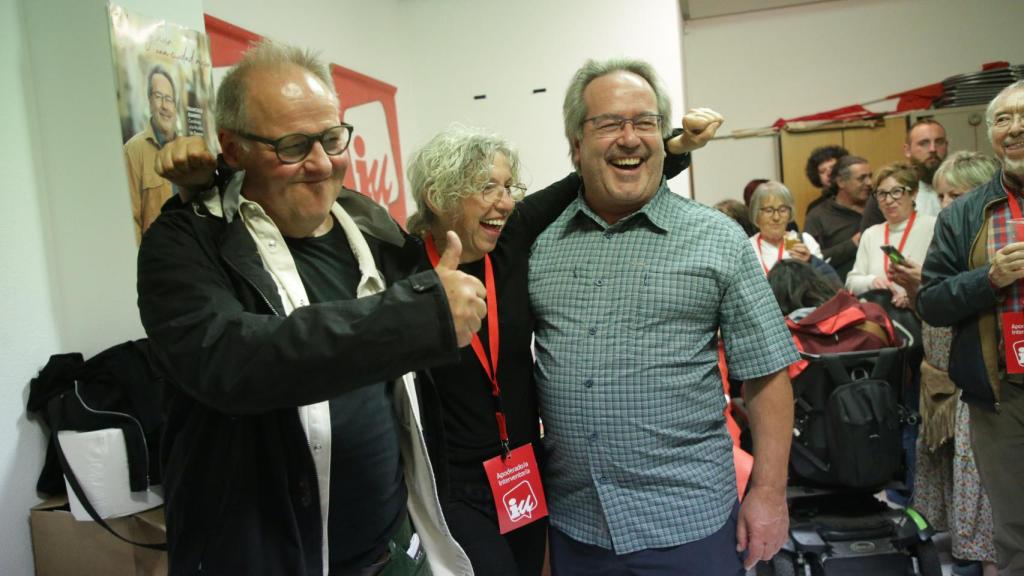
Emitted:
<point x="100" y="462"/>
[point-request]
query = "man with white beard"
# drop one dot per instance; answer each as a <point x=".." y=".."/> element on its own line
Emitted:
<point x="971" y="281"/>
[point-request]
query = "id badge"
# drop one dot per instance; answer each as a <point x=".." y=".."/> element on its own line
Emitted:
<point x="516" y="487"/>
<point x="1013" y="341"/>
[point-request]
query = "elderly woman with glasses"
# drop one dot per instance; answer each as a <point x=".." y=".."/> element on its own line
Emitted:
<point x="905" y="234"/>
<point x="466" y="180"/>
<point x="771" y="210"/>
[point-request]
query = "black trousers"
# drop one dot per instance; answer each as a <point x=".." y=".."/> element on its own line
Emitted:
<point x="473" y="521"/>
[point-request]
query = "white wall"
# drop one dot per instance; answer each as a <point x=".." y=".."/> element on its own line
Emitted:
<point x="67" y="255"/>
<point x="440" y="53"/>
<point x="758" y="67"/>
<point x="460" y="48"/>
<point x="30" y="332"/>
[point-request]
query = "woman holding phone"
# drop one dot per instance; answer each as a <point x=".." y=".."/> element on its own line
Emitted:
<point x="905" y="233"/>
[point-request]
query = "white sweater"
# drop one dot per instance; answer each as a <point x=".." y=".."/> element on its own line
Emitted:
<point x="870" y="263"/>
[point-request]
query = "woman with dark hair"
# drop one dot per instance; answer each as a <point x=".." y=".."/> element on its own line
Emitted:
<point x="798" y="288"/>
<point x="819" y="171"/>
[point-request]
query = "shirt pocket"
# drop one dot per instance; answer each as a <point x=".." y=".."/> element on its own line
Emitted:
<point x="673" y="300"/>
<point x="558" y="292"/>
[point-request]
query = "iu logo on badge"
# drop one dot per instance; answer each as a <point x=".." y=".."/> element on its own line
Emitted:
<point x="524" y="502"/>
<point x="520" y="502"/>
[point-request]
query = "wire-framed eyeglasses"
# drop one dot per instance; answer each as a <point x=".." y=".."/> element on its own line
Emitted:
<point x="607" y="125"/>
<point x="783" y="211"/>
<point x="493" y="192"/>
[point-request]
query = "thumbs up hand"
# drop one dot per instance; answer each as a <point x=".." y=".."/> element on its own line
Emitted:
<point x="466" y="295"/>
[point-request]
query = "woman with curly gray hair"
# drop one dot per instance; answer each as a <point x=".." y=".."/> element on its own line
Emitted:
<point x="467" y="180"/>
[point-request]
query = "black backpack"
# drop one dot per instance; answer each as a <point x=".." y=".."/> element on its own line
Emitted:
<point x="114" y="389"/>
<point x="848" y="419"/>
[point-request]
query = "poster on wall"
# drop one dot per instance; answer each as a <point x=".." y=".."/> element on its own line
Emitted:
<point x="365" y="102"/>
<point x="164" y="83"/>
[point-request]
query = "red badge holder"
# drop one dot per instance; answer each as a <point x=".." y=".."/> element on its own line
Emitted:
<point x="1013" y="322"/>
<point x="516" y="488"/>
<point x="1013" y="341"/>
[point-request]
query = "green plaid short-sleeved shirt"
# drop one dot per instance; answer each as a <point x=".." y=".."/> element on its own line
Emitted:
<point x="638" y="456"/>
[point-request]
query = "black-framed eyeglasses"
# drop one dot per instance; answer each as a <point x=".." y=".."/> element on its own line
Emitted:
<point x="783" y="211"/>
<point x="614" y="125"/>
<point x="493" y="192"/>
<point x="293" y="148"/>
<point x="894" y="193"/>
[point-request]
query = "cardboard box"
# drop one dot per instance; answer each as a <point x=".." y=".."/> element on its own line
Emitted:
<point x="63" y="546"/>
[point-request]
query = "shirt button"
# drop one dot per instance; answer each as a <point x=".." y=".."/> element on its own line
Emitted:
<point x="593" y="436"/>
<point x="318" y="447"/>
<point x="603" y="479"/>
<point x="599" y="282"/>
<point x="272" y="243"/>
<point x="589" y="383"/>
<point x="592" y="331"/>
<point x="607" y="235"/>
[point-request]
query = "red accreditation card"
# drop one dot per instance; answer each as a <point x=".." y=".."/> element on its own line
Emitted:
<point x="1013" y="341"/>
<point x="515" y="485"/>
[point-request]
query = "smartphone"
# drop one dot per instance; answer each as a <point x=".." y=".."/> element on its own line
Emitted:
<point x="894" y="255"/>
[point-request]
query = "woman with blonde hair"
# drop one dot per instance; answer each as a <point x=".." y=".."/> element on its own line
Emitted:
<point x="948" y="491"/>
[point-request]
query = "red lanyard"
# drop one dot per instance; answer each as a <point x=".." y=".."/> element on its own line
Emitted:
<point x="903" y="240"/>
<point x="490" y="366"/>
<point x="760" y="253"/>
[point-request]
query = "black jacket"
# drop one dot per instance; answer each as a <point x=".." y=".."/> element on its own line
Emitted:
<point x="240" y="483"/>
<point x="955" y="291"/>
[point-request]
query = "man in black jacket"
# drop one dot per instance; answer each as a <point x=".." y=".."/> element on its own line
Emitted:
<point x="284" y="311"/>
<point x="834" y="221"/>
<point x="971" y="281"/>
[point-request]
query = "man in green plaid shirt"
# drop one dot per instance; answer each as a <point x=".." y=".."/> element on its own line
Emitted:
<point x="632" y="287"/>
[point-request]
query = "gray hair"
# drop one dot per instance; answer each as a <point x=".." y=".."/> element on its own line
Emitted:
<point x="966" y="170"/>
<point x="232" y="94"/>
<point x="453" y="165"/>
<point x="766" y="190"/>
<point x="990" y="112"/>
<point x="574" y="109"/>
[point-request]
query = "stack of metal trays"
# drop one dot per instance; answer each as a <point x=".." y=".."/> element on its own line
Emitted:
<point x="977" y="87"/>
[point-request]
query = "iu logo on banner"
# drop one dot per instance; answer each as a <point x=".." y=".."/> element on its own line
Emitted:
<point x="373" y="166"/>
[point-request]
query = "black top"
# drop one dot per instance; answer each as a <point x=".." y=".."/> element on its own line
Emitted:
<point x="368" y="496"/>
<point x="833" y="226"/>
<point x="471" y="431"/>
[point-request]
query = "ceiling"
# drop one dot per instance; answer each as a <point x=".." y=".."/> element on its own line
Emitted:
<point x="697" y="9"/>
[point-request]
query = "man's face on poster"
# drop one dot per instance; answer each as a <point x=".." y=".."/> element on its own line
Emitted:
<point x="162" y="106"/>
